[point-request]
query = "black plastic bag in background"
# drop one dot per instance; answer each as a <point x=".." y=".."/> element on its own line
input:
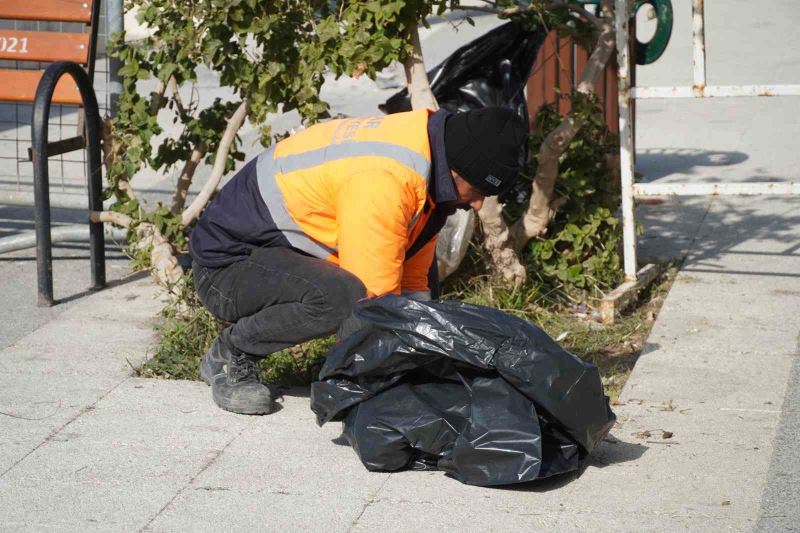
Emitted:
<point x="490" y="71"/>
<point x="482" y="395"/>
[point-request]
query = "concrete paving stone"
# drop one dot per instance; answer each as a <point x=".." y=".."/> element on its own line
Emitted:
<point x="744" y="261"/>
<point x="695" y="488"/>
<point x="25" y="170"/>
<point x="669" y="229"/>
<point x="740" y="139"/>
<point x="70" y="278"/>
<point x="651" y="523"/>
<point x="141" y="300"/>
<point x="83" y="333"/>
<point x="390" y="516"/>
<point x="751" y="384"/>
<point x="286" y="451"/>
<point x="74" y="173"/>
<point x="77" y="362"/>
<point x="690" y="422"/>
<point x="34" y="397"/>
<point x="697" y="286"/>
<point x="784" y="210"/>
<point x="19" y="437"/>
<point x="133" y="435"/>
<point x="46" y="405"/>
<point x="69" y="457"/>
<point x="177" y="415"/>
<point x="78" y="506"/>
<point x="214" y="509"/>
<point x="8" y="129"/>
<point x="700" y="337"/>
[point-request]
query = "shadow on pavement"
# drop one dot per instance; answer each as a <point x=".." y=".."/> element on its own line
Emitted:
<point x="731" y="226"/>
<point x="111" y="284"/>
<point x="657" y="163"/>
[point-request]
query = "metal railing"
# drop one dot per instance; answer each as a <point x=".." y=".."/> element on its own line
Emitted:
<point x="699" y="89"/>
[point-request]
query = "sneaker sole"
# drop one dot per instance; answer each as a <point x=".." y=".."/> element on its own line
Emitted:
<point x="242" y="408"/>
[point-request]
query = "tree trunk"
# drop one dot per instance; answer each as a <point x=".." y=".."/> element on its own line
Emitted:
<point x="417" y="78"/>
<point x="199" y="203"/>
<point x="496" y="237"/>
<point x="185" y="181"/>
<point x="504" y="243"/>
<point x="164" y="265"/>
<point x="543" y="205"/>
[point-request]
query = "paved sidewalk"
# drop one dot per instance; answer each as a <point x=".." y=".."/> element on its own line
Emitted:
<point x="85" y="446"/>
<point x="100" y="450"/>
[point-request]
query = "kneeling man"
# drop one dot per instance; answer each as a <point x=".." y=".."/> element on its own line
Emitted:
<point x="344" y="210"/>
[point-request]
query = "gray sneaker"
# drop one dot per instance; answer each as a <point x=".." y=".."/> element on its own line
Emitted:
<point x="239" y="390"/>
<point x="214" y="361"/>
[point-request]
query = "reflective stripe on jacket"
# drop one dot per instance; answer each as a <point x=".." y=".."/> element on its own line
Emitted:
<point x="353" y="192"/>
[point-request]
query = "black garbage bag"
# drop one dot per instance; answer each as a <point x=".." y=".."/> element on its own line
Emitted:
<point x="482" y="395"/>
<point x="490" y="71"/>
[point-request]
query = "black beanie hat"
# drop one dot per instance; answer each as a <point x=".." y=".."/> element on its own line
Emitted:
<point x="487" y="147"/>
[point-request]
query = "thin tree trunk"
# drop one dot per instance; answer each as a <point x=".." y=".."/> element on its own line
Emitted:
<point x="185" y="180"/>
<point x="164" y="265"/>
<point x="416" y="77"/>
<point x="501" y="242"/>
<point x="495" y="241"/>
<point x="118" y="219"/>
<point x="199" y="203"/>
<point x="111" y="150"/>
<point x="543" y="205"/>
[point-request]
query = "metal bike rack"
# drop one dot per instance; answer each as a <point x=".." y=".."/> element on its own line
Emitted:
<point x="700" y="89"/>
<point x="41" y="176"/>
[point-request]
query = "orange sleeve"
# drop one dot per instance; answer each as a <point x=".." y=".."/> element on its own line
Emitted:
<point x="373" y="213"/>
<point x="415" y="270"/>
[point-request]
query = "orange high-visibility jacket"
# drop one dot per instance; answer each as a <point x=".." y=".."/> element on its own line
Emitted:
<point x="353" y="192"/>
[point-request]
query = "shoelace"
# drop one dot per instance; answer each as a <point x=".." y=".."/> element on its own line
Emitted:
<point x="242" y="369"/>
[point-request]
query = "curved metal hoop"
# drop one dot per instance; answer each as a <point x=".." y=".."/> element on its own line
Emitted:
<point x="41" y="175"/>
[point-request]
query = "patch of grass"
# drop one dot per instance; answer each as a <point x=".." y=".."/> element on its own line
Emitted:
<point x="187" y="330"/>
<point x="297" y="366"/>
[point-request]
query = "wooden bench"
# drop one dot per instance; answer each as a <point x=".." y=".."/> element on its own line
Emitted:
<point x="45" y="46"/>
<point x="66" y="80"/>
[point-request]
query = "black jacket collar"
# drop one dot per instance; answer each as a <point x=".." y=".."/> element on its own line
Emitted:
<point x="441" y="186"/>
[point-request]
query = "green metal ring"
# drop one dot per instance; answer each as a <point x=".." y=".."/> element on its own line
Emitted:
<point x="650" y="51"/>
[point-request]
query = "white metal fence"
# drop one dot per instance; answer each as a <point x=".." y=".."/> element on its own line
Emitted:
<point x="700" y="89"/>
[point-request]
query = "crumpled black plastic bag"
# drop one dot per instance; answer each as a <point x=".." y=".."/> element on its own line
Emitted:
<point x="490" y="71"/>
<point x="482" y="395"/>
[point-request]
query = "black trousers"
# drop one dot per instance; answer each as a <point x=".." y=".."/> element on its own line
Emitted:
<point x="277" y="298"/>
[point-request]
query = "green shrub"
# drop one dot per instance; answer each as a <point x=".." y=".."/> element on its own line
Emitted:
<point x="580" y="251"/>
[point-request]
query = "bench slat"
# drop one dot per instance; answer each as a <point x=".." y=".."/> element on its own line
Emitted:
<point x="20" y="86"/>
<point x="47" y="10"/>
<point x="44" y="46"/>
